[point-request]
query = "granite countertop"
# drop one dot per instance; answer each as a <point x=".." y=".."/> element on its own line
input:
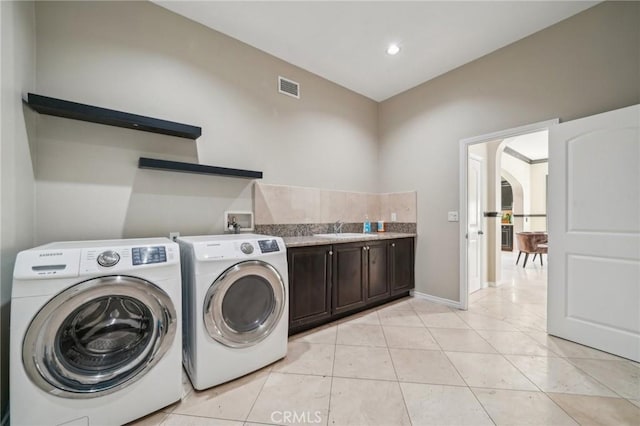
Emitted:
<point x="310" y="240"/>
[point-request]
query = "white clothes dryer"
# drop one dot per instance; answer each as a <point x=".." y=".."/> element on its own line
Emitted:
<point x="95" y="332"/>
<point x="236" y="305"/>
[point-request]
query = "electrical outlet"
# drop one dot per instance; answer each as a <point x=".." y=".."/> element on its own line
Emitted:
<point x="394" y="217"/>
<point x="173" y="235"/>
<point x="452" y="216"/>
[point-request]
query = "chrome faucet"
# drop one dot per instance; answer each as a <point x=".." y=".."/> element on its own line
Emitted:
<point x="337" y="227"/>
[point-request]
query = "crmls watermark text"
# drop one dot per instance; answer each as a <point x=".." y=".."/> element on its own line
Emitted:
<point x="296" y="417"/>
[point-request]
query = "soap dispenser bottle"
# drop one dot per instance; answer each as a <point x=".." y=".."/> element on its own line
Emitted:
<point x="366" y="227"/>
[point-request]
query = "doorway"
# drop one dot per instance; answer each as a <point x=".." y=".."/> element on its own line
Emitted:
<point x="595" y="162"/>
<point x="490" y="229"/>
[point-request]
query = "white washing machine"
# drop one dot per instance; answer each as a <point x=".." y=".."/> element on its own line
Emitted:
<point x="236" y="305"/>
<point x="95" y="332"/>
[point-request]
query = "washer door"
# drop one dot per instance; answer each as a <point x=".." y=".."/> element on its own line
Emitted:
<point x="98" y="336"/>
<point x="244" y="304"/>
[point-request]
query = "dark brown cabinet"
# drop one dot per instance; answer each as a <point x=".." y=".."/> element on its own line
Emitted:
<point x="377" y="268"/>
<point x="349" y="281"/>
<point x="330" y="281"/>
<point x="309" y="284"/>
<point x="361" y="275"/>
<point x="401" y="265"/>
<point x="507" y="237"/>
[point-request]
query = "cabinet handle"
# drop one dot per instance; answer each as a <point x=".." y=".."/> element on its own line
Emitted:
<point x="364" y="248"/>
<point x="393" y="244"/>
<point x="330" y="253"/>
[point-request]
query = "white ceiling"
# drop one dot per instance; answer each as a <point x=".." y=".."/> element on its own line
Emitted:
<point x="534" y="146"/>
<point x="345" y="42"/>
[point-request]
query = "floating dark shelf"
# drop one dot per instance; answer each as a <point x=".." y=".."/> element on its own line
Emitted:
<point x="76" y="111"/>
<point x="176" y="166"/>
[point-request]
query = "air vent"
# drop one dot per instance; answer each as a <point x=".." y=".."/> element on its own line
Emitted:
<point x="288" y="87"/>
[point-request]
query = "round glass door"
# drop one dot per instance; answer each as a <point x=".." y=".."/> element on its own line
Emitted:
<point x="99" y="336"/>
<point x="244" y="304"/>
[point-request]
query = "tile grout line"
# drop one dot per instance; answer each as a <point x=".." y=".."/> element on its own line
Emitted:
<point x="526" y="333"/>
<point x="541" y="392"/>
<point x="522" y="372"/>
<point x="199" y="417"/>
<point x="573" y="365"/>
<point x="461" y="376"/>
<point x="593" y="378"/>
<point x="404" y="402"/>
<point x="560" y="407"/>
<point x="259" y="393"/>
<point x="457" y="371"/>
<point x="428" y="331"/>
<point x="469" y="387"/>
<point x="333" y="366"/>
<point x="164" y="418"/>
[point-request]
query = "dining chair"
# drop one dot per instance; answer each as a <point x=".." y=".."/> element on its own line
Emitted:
<point x="531" y="243"/>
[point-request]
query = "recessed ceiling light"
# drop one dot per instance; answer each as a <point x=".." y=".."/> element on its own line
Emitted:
<point x="393" y="49"/>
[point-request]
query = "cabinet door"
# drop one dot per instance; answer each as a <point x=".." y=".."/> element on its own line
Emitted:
<point x="505" y="237"/>
<point x="402" y="265"/>
<point x="378" y="287"/>
<point x="309" y="285"/>
<point x="349" y="277"/>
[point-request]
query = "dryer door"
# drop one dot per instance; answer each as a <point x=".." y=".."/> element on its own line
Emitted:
<point x="98" y="336"/>
<point x="244" y="304"/>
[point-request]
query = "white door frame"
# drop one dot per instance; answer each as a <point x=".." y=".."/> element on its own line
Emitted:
<point x="464" y="144"/>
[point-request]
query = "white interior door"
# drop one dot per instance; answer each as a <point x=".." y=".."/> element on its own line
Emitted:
<point x="474" y="224"/>
<point x="594" y="231"/>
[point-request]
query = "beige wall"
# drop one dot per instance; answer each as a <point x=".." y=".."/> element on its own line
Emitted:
<point x="538" y="203"/>
<point x="582" y="66"/>
<point x="141" y="58"/>
<point x="532" y="177"/>
<point x="520" y="171"/>
<point x="16" y="171"/>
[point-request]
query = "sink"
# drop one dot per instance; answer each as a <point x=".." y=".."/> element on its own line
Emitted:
<point x="345" y="235"/>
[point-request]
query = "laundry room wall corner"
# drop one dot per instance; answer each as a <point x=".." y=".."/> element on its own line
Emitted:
<point x="118" y="55"/>
<point x="16" y="162"/>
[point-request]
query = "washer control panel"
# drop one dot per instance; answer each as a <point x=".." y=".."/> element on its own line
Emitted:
<point x="246" y="248"/>
<point x="116" y="259"/>
<point x="108" y="258"/>
<point x="268" y="246"/>
<point x="147" y="255"/>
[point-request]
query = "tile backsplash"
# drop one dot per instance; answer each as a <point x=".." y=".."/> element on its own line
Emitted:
<point x="281" y="204"/>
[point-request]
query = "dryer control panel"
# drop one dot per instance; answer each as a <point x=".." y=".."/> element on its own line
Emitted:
<point x="250" y="246"/>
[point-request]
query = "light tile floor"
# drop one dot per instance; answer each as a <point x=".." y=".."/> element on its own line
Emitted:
<point x="416" y="362"/>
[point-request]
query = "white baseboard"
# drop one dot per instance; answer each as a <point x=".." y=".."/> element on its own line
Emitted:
<point x="436" y="299"/>
<point x="492" y="284"/>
